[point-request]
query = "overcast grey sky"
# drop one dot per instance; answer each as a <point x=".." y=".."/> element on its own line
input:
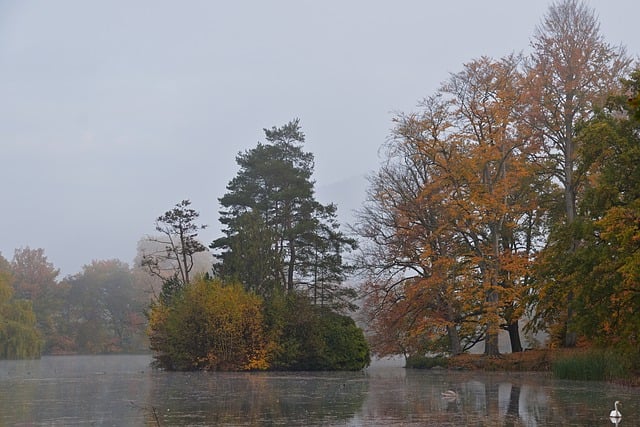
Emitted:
<point x="113" y="111"/>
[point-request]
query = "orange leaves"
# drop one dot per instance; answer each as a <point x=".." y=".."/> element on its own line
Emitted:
<point x="621" y="230"/>
<point x="449" y="210"/>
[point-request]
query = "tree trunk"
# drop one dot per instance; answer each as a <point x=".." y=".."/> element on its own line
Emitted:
<point x="291" y="267"/>
<point x="512" y="418"/>
<point x="491" y="344"/>
<point x="570" y="338"/>
<point x="454" y="340"/>
<point x="491" y="340"/>
<point x="514" y="337"/>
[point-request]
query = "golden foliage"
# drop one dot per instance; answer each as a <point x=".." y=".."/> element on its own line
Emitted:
<point x="209" y="326"/>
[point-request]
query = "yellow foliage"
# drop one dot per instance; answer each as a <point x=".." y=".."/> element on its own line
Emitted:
<point x="209" y="326"/>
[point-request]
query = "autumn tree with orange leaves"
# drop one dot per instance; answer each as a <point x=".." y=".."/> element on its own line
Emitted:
<point x="493" y="197"/>
<point x="451" y="216"/>
<point x="470" y="223"/>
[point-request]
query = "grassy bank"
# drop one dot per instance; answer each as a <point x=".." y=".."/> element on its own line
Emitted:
<point x="533" y="360"/>
<point x="593" y="365"/>
<point x="575" y="364"/>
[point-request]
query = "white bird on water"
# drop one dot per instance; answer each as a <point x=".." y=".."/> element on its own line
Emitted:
<point x="615" y="413"/>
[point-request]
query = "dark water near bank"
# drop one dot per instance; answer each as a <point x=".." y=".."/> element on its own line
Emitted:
<point x="123" y="391"/>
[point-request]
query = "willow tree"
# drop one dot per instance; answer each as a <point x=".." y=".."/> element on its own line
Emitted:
<point x="19" y="337"/>
<point x="571" y="72"/>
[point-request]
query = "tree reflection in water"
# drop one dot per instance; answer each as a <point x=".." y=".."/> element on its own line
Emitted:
<point x="488" y="399"/>
<point x="121" y="390"/>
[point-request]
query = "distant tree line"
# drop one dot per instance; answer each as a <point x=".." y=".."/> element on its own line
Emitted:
<point x="99" y="310"/>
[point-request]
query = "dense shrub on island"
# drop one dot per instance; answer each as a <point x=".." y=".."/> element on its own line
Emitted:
<point x="211" y="325"/>
<point x="311" y="337"/>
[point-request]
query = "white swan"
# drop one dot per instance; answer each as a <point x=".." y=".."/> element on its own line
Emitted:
<point x="615" y="413"/>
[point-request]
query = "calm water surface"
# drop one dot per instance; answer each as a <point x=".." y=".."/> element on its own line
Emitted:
<point x="123" y="391"/>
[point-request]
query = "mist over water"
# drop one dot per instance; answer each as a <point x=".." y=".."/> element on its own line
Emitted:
<point x="124" y="391"/>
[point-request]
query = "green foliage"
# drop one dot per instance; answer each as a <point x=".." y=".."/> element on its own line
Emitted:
<point x="171" y="288"/>
<point x="277" y="236"/>
<point x="19" y="337"/>
<point x="593" y="365"/>
<point x="423" y="362"/>
<point x="633" y="86"/>
<point x="347" y="348"/>
<point x="317" y="338"/>
<point x="103" y="310"/>
<point x="594" y="260"/>
<point x="252" y="259"/>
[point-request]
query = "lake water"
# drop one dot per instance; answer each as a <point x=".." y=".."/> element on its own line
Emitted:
<point x="124" y="391"/>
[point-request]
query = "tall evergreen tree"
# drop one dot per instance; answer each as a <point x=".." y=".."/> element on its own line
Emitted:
<point x="277" y="236"/>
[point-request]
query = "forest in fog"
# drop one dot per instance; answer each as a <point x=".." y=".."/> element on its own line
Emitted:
<point x="509" y="200"/>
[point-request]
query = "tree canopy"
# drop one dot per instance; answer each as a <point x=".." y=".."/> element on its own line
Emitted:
<point x="99" y="310"/>
<point x="452" y="212"/>
<point x="277" y="237"/>
<point x="597" y="255"/>
<point x="274" y="302"/>
<point x="19" y="336"/>
<point x="105" y="309"/>
<point x="174" y="260"/>
<point x="209" y="326"/>
<point x="471" y="221"/>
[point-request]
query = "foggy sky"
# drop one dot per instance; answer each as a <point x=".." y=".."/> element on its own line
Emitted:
<point x="111" y="112"/>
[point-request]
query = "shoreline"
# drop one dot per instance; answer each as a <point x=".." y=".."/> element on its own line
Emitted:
<point x="535" y="360"/>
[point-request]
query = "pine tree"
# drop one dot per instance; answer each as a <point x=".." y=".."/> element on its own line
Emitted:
<point x="278" y="238"/>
